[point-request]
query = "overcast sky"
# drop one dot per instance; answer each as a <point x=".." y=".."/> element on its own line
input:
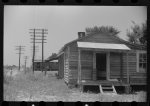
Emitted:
<point x="63" y="23"/>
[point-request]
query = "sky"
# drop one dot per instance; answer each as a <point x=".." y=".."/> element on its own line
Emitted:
<point x="63" y="24"/>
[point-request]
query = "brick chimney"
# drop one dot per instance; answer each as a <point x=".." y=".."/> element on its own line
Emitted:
<point x="81" y="35"/>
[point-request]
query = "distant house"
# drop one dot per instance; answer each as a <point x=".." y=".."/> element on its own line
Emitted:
<point x="47" y="64"/>
<point x="38" y="65"/>
<point x="52" y="63"/>
<point x="100" y="59"/>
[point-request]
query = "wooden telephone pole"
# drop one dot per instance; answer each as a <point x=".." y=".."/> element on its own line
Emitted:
<point x="19" y="49"/>
<point x="36" y="50"/>
<point x="33" y="48"/>
<point x="36" y="37"/>
<point x="26" y="57"/>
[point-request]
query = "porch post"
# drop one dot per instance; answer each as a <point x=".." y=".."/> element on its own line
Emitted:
<point x="121" y="67"/>
<point x="108" y="66"/>
<point x="128" y="81"/>
<point x="79" y="66"/>
<point x="94" y="66"/>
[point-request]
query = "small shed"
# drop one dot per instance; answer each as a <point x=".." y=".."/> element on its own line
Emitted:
<point x="102" y="58"/>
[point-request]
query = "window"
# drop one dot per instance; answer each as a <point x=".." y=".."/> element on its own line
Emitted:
<point x="142" y="62"/>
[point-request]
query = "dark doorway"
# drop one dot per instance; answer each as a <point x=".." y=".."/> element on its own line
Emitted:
<point x="101" y="66"/>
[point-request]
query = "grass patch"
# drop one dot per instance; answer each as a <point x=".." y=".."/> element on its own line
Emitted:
<point x="38" y="87"/>
<point x="34" y="77"/>
<point x="7" y="78"/>
<point x="9" y="93"/>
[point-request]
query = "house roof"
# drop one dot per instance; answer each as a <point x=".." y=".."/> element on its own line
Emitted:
<point x="130" y="45"/>
<point x="39" y="61"/>
<point x="102" y="46"/>
<point x="51" y="58"/>
<point x="54" y="61"/>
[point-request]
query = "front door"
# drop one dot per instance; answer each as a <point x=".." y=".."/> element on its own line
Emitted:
<point x="101" y="66"/>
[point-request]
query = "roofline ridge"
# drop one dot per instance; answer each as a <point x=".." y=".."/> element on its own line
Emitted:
<point x="92" y="34"/>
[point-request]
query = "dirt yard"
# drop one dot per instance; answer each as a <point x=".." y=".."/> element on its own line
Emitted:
<point x="37" y="87"/>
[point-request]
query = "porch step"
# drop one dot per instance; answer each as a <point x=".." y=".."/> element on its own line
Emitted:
<point x="107" y="89"/>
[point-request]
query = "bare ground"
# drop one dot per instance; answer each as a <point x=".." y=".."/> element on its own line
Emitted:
<point x="37" y="87"/>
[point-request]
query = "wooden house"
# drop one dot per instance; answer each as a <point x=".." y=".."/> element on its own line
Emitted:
<point x="102" y="58"/>
<point x="48" y="65"/>
<point x="52" y="63"/>
<point x="38" y="65"/>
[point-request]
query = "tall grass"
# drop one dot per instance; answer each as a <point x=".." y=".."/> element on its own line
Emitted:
<point x="7" y="78"/>
<point x="8" y="90"/>
<point x="34" y="77"/>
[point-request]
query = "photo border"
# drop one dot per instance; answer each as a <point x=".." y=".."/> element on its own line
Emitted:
<point x="71" y="3"/>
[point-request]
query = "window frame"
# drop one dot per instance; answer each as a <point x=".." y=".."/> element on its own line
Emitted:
<point x="137" y="56"/>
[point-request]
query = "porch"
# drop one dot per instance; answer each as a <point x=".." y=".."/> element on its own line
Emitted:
<point x="95" y="62"/>
<point x="103" y="82"/>
<point x="99" y="65"/>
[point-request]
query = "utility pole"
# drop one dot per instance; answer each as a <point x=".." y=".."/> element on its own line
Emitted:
<point x="19" y="49"/>
<point x="34" y="54"/>
<point x="36" y="50"/>
<point x="37" y="37"/>
<point x="33" y="48"/>
<point x="25" y="62"/>
<point x="43" y="50"/>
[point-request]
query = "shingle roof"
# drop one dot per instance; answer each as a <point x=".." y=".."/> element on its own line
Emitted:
<point x="52" y="57"/>
<point x="130" y="45"/>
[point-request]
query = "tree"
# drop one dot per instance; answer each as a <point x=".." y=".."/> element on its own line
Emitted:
<point x="102" y="29"/>
<point x="143" y="39"/>
<point x="138" y="33"/>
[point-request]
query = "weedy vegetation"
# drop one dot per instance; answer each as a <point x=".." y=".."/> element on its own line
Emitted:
<point x="38" y="87"/>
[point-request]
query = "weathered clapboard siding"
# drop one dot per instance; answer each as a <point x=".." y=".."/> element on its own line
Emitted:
<point x="73" y="74"/>
<point x="118" y="61"/>
<point x="61" y="66"/>
<point x="73" y="52"/>
<point x="115" y="64"/>
<point x="115" y="67"/>
<point x="134" y="80"/>
<point x="135" y="77"/>
<point x="66" y="65"/>
<point x="73" y="63"/>
<point x="86" y="65"/>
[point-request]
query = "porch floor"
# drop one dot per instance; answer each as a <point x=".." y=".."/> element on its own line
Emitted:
<point x="103" y="82"/>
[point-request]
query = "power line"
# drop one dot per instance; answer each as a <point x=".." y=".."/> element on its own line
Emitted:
<point x="26" y="57"/>
<point x="40" y="39"/>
